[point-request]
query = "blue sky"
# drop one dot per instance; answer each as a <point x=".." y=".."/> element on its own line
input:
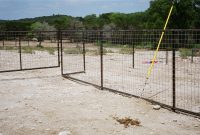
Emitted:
<point x="16" y="9"/>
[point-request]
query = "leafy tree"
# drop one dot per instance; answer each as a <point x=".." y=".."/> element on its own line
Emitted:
<point x="104" y="19"/>
<point x="157" y="13"/>
<point x="37" y="26"/>
<point x="91" y="22"/>
<point x="120" y="20"/>
<point x="137" y="20"/>
<point x="75" y="24"/>
<point x="196" y="22"/>
<point x="62" y="23"/>
<point x="16" y="26"/>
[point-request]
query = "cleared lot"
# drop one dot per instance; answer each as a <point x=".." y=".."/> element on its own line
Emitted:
<point x="42" y="102"/>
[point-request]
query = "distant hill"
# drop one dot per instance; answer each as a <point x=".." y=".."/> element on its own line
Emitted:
<point x="25" y="23"/>
<point x="49" y="19"/>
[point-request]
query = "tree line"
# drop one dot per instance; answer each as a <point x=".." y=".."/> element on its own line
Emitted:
<point x="186" y="15"/>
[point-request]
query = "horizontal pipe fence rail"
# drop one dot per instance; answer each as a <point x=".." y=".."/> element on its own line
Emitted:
<point x="118" y="61"/>
<point x="28" y="50"/>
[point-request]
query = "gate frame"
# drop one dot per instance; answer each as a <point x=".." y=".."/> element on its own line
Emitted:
<point x="20" y="53"/>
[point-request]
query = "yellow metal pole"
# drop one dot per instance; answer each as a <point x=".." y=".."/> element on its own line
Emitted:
<point x="158" y="47"/>
<point x="159" y="43"/>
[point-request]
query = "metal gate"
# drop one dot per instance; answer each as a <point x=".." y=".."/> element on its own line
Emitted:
<point x="26" y="50"/>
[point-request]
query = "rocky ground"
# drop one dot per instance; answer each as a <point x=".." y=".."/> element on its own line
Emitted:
<point x="41" y="102"/>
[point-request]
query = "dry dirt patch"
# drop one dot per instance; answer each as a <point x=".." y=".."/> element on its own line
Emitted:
<point x="41" y="102"/>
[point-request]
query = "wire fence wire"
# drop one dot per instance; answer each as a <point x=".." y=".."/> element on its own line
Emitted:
<point x="115" y="60"/>
<point x="119" y="61"/>
<point x="26" y="50"/>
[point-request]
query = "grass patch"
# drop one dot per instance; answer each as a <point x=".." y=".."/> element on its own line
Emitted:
<point x="8" y="48"/>
<point x="96" y="52"/>
<point x="76" y="50"/>
<point x="184" y="53"/>
<point x="109" y="44"/>
<point x="31" y="50"/>
<point x="28" y="50"/>
<point x="126" y="51"/>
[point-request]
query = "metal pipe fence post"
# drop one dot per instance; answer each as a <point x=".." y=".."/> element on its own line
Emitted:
<point x="3" y="42"/>
<point x="174" y="72"/>
<point x="167" y="56"/>
<point x="133" y="54"/>
<point x="61" y="45"/>
<point x="20" y="53"/>
<point x="28" y="42"/>
<point x="58" y="47"/>
<point x="192" y="57"/>
<point x="84" y="67"/>
<point x="133" y="51"/>
<point x="101" y="57"/>
<point x="15" y="42"/>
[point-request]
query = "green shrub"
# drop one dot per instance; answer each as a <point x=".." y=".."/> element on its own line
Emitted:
<point x="196" y="46"/>
<point x="28" y="50"/>
<point x="184" y="53"/>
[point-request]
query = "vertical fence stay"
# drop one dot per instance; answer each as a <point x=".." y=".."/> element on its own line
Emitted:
<point x="118" y="61"/>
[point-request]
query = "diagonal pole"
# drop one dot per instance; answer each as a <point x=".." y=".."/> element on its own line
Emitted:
<point x="158" y="47"/>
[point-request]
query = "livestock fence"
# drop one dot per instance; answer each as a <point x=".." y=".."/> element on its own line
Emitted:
<point x="118" y="61"/>
<point x="27" y="50"/>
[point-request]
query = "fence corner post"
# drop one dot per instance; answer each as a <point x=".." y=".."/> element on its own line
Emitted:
<point x="167" y="56"/>
<point x="58" y="47"/>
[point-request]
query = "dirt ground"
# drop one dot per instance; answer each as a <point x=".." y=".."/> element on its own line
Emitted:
<point x="41" y="102"/>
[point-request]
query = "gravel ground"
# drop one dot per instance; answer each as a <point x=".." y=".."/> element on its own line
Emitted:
<point x="41" y="102"/>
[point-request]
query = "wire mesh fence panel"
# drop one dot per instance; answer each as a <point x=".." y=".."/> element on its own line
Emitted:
<point x="120" y="61"/>
<point x="24" y="50"/>
<point x="81" y="57"/>
<point x="72" y="52"/>
<point x="117" y="60"/>
<point x="129" y="55"/>
<point x="9" y="51"/>
<point x="188" y="70"/>
<point x="159" y="84"/>
<point x="39" y="49"/>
